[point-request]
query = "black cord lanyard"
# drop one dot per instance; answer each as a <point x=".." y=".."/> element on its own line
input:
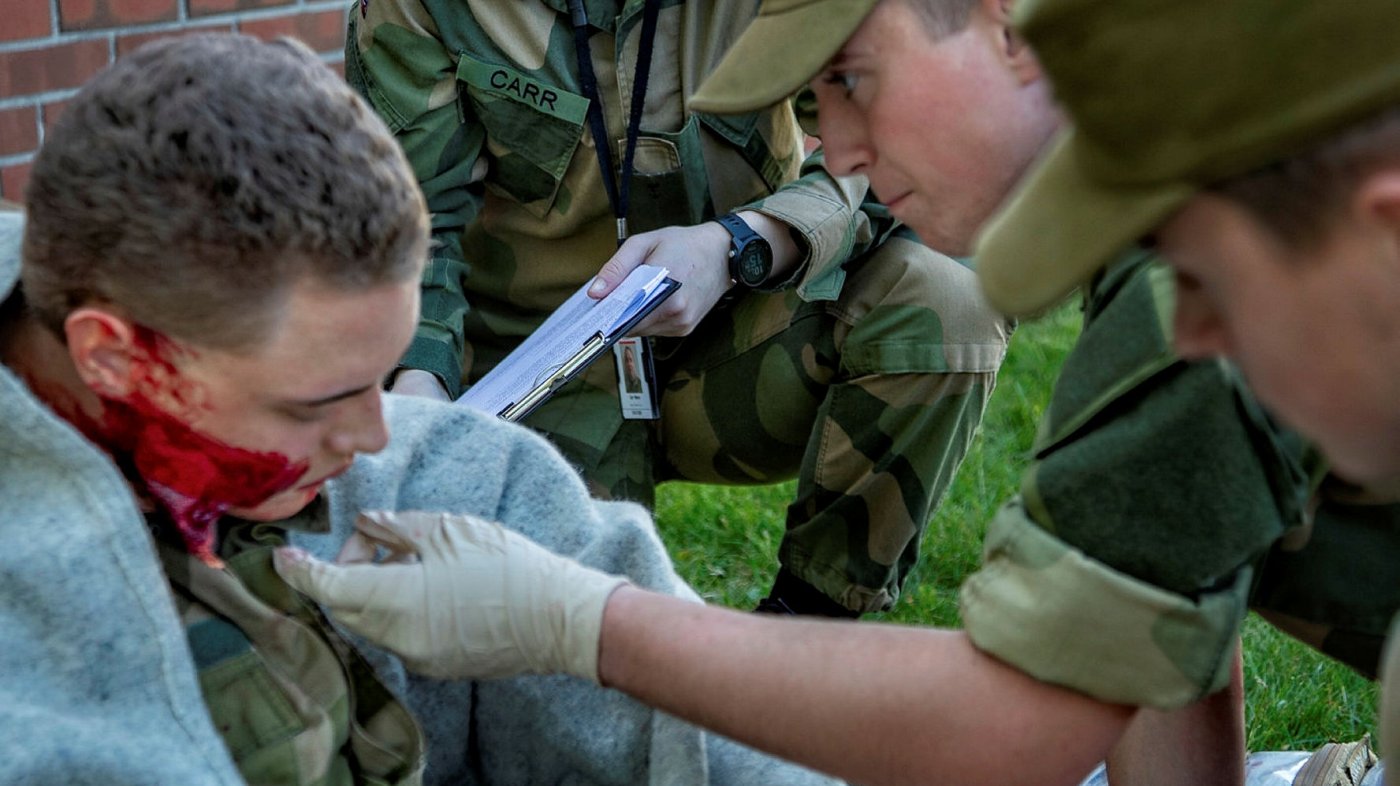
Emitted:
<point x="618" y="195"/>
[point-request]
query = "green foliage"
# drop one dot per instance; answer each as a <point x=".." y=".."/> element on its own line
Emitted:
<point x="725" y="540"/>
<point x="1297" y="699"/>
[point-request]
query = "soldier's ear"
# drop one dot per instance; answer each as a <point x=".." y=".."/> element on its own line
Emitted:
<point x="102" y="345"/>
<point x="1378" y="197"/>
<point x="1014" y="49"/>
<point x="1376" y="205"/>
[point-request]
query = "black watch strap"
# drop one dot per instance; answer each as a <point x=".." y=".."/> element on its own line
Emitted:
<point x="750" y="256"/>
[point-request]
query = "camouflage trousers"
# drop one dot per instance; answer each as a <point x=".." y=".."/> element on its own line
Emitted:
<point x="870" y="401"/>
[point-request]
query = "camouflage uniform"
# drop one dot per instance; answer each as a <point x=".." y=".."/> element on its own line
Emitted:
<point x="864" y="374"/>
<point x="1161" y="504"/>
<point x="293" y="700"/>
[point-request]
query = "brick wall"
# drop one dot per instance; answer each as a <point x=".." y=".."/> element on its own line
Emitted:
<point x="48" y="48"/>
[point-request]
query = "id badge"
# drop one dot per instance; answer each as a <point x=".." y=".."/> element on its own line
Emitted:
<point x="636" y="379"/>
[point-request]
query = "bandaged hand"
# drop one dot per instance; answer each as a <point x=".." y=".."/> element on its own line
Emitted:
<point x="459" y="597"/>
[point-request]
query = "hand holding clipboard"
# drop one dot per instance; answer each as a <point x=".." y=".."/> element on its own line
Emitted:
<point x="575" y="335"/>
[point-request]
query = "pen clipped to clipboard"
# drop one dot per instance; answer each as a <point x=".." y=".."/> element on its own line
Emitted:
<point x="577" y="333"/>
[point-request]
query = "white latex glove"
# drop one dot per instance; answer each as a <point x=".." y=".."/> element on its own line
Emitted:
<point x="459" y="597"/>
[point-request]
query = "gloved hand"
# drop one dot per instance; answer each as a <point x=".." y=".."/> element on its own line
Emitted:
<point x="459" y="597"/>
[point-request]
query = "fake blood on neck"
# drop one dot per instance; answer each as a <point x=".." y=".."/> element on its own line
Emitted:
<point x="193" y="476"/>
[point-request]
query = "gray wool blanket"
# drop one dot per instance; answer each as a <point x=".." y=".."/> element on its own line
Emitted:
<point x="557" y="730"/>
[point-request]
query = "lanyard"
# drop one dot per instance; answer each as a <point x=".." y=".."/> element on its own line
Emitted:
<point x="618" y="195"/>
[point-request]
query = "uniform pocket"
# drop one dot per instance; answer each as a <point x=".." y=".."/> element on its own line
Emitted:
<point x="669" y="184"/>
<point x="533" y="129"/>
<point x="247" y="706"/>
<point x="742" y="132"/>
<point x="274" y="730"/>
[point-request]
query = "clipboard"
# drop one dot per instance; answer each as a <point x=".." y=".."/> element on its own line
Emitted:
<point x="576" y="334"/>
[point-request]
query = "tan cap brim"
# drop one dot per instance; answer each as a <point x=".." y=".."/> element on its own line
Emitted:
<point x="778" y="53"/>
<point x="1059" y="227"/>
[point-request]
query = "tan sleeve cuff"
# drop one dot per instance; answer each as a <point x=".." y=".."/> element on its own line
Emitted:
<point x="1061" y="617"/>
<point x="824" y="211"/>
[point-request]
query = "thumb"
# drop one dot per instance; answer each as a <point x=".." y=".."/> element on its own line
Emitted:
<point x="337" y="587"/>
<point x="632" y="253"/>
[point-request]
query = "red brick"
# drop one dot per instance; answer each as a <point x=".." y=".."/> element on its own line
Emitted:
<point x="50" y="68"/>
<point x="13" y="179"/>
<point x="19" y="130"/>
<point x="323" y="31"/>
<point x="127" y="44"/>
<point x="338" y="66"/>
<point x="206" y="7"/>
<point x="95" y="14"/>
<point x="26" y="19"/>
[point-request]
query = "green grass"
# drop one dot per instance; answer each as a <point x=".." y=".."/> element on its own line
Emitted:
<point x="725" y="540"/>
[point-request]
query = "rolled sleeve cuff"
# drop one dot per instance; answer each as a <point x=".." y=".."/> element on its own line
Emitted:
<point x="1063" y="618"/>
<point x="825" y="226"/>
<point x="437" y="358"/>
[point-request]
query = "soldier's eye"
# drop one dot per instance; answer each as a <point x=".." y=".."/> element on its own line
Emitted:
<point x="846" y="80"/>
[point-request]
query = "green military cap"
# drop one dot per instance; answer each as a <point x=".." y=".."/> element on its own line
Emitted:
<point x="784" y="47"/>
<point x="1166" y="97"/>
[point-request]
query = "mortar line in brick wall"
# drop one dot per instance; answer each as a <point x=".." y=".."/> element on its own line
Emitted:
<point x="18" y="158"/>
<point x="309" y="6"/>
<point x="271" y="13"/>
<point x="56" y="40"/>
<point x="229" y="17"/>
<point x="36" y="99"/>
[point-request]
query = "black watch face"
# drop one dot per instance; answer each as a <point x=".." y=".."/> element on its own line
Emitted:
<point x="752" y="265"/>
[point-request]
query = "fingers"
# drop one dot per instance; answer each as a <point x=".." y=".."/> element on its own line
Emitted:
<point x="375" y="530"/>
<point x="402" y="530"/>
<point x="357" y="550"/>
<point x="401" y="534"/>
<point x="678" y="316"/>
<point x="634" y="252"/>
<point x="412" y="535"/>
<point x="338" y="588"/>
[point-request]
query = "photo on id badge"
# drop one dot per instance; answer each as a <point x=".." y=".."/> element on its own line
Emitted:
<point x="636" y="391"/>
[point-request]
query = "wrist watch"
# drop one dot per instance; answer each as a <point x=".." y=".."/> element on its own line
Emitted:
<point x="750" y="256"/>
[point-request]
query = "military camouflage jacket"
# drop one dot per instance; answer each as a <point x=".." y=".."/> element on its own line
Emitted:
<point x="485" y="98"/>
<point x="1124" y="569"/>
<point x="294" y="701"/>
<point x="1161" y="503"/>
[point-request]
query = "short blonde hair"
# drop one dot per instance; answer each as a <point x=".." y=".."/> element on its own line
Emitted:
<point x="943" y="18"/>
